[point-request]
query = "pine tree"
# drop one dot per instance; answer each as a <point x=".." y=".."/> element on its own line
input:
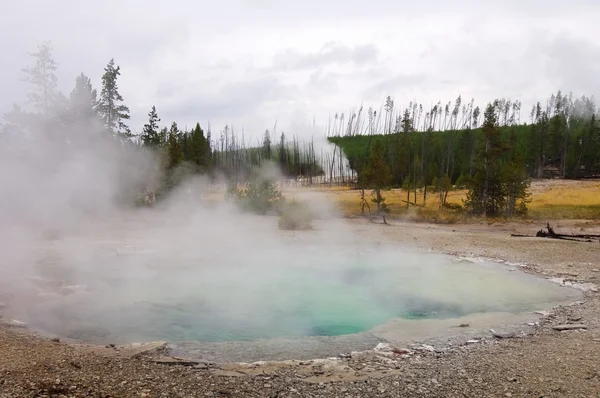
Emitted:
<point x="44" y="96"/>
<point x="174" y="151"/>
<point x="266" y="146"/>
<point x="151" y="135"/>
<point x="283" y="155"/>
<point x="486" y="195"/>
<point x="199" y="149"/>
<point x="83" y="101"/>
<point x="515" y="180"/>
<point x="112" y="111"/>
<point x="15" y="122"/>
<point x="590" y="143"/>
<point x="377" y="174"/>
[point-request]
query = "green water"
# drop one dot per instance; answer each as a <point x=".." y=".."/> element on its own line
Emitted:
<point x="308" y="292"/>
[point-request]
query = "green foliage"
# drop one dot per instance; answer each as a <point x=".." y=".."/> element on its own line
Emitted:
<point x="442" y="187"/>
<point x="408" y="147"/>
<point x="83" y="101"/>
<point x="462" y="181"/>
<point x="499" y="187"/>
<point x="376" y="175"/>
<point x="260" y="197"/>
<point x="295" y="216"/>
<point x="151" y="136"/>
<point x="174" y="147"/>
<point x="562" y="140"/>
<point x="111" y="109"/>
<point x="198" y="150"/>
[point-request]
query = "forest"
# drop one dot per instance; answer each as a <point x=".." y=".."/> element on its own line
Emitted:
<point x="494" y="154"/>
<point x="560" y="139"/>
<point x="88" y="113"/>
<point x="443" y="145"/>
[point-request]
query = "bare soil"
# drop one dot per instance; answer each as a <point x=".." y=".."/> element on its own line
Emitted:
<point x="542" y="362"/>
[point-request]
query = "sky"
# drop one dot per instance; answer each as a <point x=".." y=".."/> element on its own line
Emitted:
<point x="252" y="64"/>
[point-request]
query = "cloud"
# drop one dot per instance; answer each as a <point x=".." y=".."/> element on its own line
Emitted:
<point x="251" y="62"/>
<point x="331" y="53"/>
<point x="573" y="64"/>
<point x="395" y="84"/>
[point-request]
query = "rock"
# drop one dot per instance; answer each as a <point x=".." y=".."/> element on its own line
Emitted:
<point x="543" y="313"/>
<point x="75" y="364"/>
<point x="502" y="335"/>
<point x="574" y="319"/>
<point x="586" y="287"/>
<point x="573" y="326"/>
<point x="15" y="323"/>
<point x="383" y="347"/>
<point x="425" y="347"/>
<point x="55" y="340"/>
<point x="472" y="341"/>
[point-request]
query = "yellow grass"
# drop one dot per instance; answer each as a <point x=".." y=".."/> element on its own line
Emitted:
<point x="552" y="199"/>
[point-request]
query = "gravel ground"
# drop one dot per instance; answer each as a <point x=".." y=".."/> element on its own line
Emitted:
<point x="544" y="363"/>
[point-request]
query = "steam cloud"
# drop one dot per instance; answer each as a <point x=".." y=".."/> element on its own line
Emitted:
<point x="79" y="261"/>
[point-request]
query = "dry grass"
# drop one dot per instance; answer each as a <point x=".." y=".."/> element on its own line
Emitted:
<point x="552" y="199"/>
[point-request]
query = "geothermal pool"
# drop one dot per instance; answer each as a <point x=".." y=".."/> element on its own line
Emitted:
<point x="201" y="290"/>
<point x="293" y="290"/>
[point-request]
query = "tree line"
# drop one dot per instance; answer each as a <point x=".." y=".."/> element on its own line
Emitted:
<point x="458" y="145"/>
<point x="417" y="147"/>
<point x="86" y="115"/>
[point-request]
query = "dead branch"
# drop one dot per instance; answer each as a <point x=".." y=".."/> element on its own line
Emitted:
<point x="551" y="234"/>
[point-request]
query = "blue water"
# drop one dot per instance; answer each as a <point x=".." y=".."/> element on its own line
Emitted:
<point x="309" y="291"/>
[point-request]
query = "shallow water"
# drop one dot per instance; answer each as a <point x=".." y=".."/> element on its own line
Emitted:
<point x="131" y="291"/>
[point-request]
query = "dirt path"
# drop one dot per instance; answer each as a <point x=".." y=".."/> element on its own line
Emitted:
<point x="546" y="363"/>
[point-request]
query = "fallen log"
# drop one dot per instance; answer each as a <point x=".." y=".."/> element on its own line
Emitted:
<point x="551" y="234"/>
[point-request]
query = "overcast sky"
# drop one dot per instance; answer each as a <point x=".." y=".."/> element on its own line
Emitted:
<point x="249" y="63"/>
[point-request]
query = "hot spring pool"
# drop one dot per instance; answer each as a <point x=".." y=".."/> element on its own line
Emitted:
<point x="226" y="294"/>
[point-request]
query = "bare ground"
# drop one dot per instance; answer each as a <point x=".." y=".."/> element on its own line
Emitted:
<point x="545" y="363"/>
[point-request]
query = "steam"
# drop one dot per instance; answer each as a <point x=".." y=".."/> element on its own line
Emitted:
<point x="79" y="261"/>
<point x="71" y="237"/>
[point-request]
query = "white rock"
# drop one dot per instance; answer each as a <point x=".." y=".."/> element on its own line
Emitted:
<point x="15" y="323"/>
<point x="383" y="347"/>
<point x="426" y="347"/>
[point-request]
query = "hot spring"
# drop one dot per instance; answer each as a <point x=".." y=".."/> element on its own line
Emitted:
<point x="155" y="284"/>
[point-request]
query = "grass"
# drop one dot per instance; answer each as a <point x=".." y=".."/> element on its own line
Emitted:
<point x="551" y="200"/>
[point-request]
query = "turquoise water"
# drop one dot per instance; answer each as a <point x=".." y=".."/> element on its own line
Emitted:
<point x="303" y="291"/>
